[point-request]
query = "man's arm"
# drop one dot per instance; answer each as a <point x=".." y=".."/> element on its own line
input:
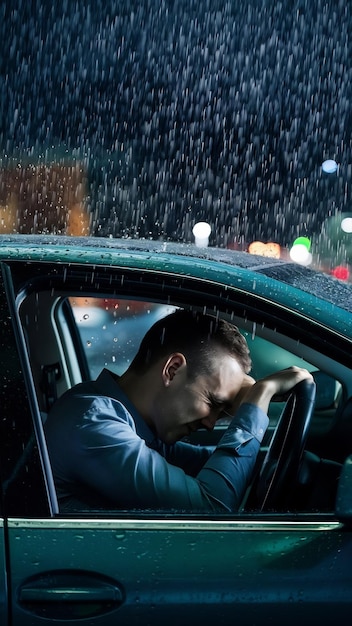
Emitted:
<point x="102" y="452"/>
<point x="273" y="387"/>
<point x="226" y="474"/>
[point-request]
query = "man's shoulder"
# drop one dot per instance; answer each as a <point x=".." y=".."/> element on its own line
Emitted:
<point x="91" y="400"/>
<point x="106" y="385"/>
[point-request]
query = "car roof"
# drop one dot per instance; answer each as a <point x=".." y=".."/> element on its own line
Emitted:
<point x="314" y="293"/>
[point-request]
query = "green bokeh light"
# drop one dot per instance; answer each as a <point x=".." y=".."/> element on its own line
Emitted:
<point x="302" y="241"/>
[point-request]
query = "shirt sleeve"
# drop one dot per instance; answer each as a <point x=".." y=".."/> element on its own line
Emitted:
<point x="190" y="457"/>
<point x="104" y="454"/>
<point x="228" y="470"/>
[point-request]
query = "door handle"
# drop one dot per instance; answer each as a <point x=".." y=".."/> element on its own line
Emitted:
<point x="69" y="594"/>
<point x="65" y="594"/>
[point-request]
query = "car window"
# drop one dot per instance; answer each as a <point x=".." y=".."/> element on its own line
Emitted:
<point x="111" y="331"/>
<point x="75" y="325"/>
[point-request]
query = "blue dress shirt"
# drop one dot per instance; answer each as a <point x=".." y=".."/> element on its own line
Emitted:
<point x="103" y="455"/>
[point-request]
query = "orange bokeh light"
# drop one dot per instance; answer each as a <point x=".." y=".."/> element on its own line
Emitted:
<point x="265" y="249"/>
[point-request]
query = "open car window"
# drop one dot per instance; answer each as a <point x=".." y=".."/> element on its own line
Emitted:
<point x="111" y="329"/>
<point x="72" y="336"/>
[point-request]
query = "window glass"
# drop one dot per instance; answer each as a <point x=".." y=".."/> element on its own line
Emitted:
<point x="111" y="330"/>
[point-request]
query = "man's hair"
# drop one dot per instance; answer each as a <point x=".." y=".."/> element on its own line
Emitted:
<point x="194" y="334"/>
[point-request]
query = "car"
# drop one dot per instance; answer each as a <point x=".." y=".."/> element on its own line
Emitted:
<point x="72" y="306"/>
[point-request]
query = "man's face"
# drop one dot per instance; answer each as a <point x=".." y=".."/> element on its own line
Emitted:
<point x="186" y="405"/>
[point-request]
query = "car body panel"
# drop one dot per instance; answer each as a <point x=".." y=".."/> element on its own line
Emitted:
<point x="167" y="570"/>
<point x="224" y="267"/>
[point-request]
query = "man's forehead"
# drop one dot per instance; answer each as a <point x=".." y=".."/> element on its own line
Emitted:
<point x="226" y="376"/>
<point x="222" y="361"/>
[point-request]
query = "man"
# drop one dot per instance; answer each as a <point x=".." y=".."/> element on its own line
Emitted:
<point x="117" y="442"/>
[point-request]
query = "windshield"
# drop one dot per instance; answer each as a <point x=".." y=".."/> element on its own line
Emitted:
<point x="144" y="119"/>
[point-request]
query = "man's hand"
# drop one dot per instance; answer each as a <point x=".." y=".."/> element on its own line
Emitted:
<point x="274" y="387"/>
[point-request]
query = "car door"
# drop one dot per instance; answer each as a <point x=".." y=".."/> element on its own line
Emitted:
<point x="151" y="568"/>
<point x="151" y="571"/>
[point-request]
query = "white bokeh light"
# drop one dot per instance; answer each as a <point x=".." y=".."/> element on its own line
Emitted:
<point x="201" y="232"/>
<point x="329" y="166"/>
<point x="300" y="254"/>
<point x="346" y="225"/>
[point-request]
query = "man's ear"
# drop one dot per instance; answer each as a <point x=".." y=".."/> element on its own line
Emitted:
<point x="175" y="361"/>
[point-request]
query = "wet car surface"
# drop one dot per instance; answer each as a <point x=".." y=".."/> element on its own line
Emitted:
<point x="64" y="299"/>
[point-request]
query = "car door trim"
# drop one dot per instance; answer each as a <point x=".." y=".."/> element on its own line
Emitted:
<point x="180" y="524"/>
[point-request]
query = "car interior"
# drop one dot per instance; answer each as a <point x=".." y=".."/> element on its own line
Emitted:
<point x="71" y="333"/>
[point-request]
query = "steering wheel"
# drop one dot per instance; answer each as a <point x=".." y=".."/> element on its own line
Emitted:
<point x="282" y="459"/>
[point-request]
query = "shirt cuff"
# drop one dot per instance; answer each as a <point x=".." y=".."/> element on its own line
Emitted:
<point x="249" y="422"/>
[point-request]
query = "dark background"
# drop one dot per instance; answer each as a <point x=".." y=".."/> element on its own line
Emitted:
<point x="185" y="111"/>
